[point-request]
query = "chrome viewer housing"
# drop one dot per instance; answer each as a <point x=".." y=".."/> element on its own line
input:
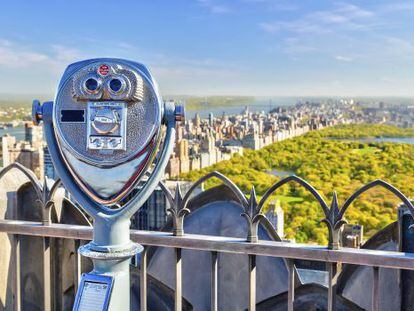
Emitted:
<point x="107" y="117"/>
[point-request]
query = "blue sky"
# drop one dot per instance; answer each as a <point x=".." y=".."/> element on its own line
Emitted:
<point x="205" y="47"/>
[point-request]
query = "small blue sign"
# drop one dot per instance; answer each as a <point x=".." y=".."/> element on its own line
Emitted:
<point x="94" y="293"/>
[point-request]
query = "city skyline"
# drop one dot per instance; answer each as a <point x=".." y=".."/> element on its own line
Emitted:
<point x="207" y="47"/>
<point x="259" y="158"/>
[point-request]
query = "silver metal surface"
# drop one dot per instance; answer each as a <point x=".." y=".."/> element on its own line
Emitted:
<point x="102" y="140"/>
<point x="94" y="208"/>
<point x="108" y="153"/>
<point x="106" y="122"/>
<point x="88" y="251"/>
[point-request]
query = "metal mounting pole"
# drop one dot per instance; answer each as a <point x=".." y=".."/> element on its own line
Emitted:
<point x="111" y="251"/>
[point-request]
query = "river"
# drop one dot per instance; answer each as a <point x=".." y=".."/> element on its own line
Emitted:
<point x="399" y="140"/>
<point x="18" y="132"/>
<point x="280" y="173"/>
<point x="256" y="105"/>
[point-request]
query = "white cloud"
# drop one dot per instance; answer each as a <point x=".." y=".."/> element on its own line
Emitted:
<point x="39" y="70"/>
<point x="275" y="5"/>
<point x="396" y="7"/>
<point x="14" y="55"/>
<point x="298" y="27"/>
<point x="399" y="46"/>
<point x="343" y="58"/>
<point x="213" y="7"/>
<point x="63" y="55"/>
<point x="387" y="80"/>
<point x="12" y="58"/>
<point x="322" y="22"/>
<point x="294" y="45"/>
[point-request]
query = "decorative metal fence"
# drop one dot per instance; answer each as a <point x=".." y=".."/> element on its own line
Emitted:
<point x="251" y="246"/>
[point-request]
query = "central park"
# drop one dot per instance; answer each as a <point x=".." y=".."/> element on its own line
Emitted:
<point x="341" y="159"/>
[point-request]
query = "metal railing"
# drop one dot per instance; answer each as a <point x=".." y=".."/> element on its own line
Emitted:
<point x="215" y="244"/>
<point x="332" y="254"/>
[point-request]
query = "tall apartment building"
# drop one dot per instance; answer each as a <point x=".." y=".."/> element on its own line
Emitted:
<point x="33" y="134"/>
<point x="275" y="215"/>
<point x="251" y="141"/>
<point x="173" y="166"/>
<point x="153" y="214"/>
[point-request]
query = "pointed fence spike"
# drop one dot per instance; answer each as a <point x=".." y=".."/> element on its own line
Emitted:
<point x="44" y="190"/>
<point x="178" y="195"/>
<point x="178" y="212"/>
<point x="253" y="193"/>
<point x="334" y="199"/>
<point x="252" y="202"/>
<point x="334" y="210"/>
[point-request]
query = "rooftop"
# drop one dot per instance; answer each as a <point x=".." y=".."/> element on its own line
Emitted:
<point x="215" y="261"/>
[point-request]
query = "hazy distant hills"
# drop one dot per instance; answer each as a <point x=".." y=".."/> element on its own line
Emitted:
<point x="196" y="102"/>
<point x="191" y="102"/>
<point x="200" y="102"/>
<point x="21" y="100"/>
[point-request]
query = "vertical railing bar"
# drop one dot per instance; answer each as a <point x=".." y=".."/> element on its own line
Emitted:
<point x="375" y="289"/>
<point x="57" y="273"/>
<point x="291" y="284"/>
<point x="17" y="273"/>
<point x="214" y="281"/>
<point x="331" y="285"/>
<point x="16" y="244"/>
<point x="46" y="275"/>
<point x="77" y="265"/>
<point x="178" y="280"/>
<point x="252" y="282"/>
<point x="143" y="280"/>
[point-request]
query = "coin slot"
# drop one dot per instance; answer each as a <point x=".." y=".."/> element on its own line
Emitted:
<point x="77" y="116"/>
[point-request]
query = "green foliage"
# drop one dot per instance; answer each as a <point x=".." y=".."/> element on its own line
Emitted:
<point x="328" y="165"/>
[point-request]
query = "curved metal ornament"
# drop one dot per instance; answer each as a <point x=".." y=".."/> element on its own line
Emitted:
<point x="107" y="164"/>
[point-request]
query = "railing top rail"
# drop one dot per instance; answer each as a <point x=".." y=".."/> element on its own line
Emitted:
<point x="377" y="258"/>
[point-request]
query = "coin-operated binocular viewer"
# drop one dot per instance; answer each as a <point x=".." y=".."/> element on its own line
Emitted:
<point x="105" y="134"/>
